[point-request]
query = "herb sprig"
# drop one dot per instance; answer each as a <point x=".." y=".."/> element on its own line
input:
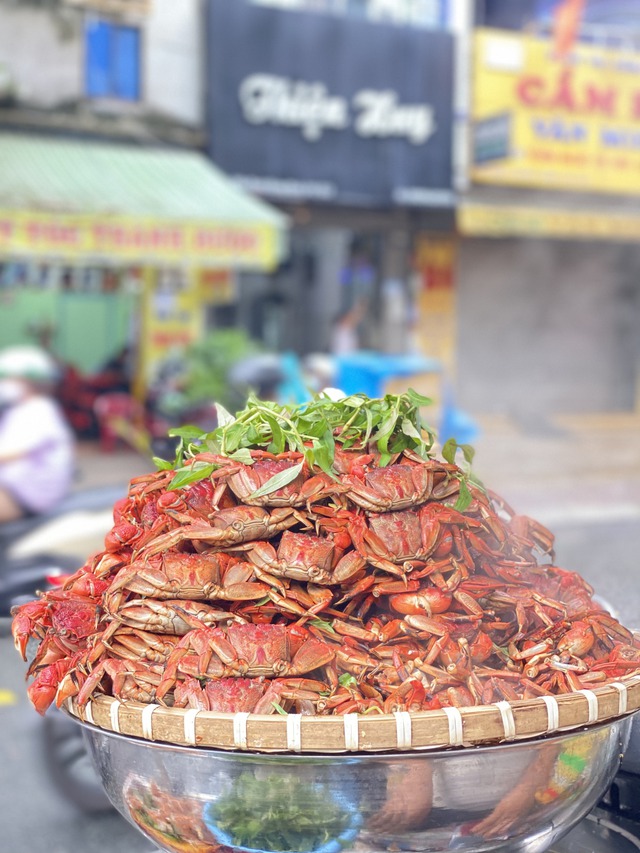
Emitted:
<point x="389" y="424"/>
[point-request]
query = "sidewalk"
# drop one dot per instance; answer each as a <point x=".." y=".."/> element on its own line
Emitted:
<point x="571" y="468"/>
<point x="98" y="468"/>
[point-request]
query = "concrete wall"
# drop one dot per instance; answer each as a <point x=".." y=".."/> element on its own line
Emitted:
<point x="547" y="326"/>
<point x="174" y="60"/>
<point x="42" y="51"/>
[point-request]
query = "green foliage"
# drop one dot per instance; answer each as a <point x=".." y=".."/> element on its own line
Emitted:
<point x="278" y="813"/>
<point x="207" y="365"/>
<point x="389" y="425"/>
<point x="449" y="451"/>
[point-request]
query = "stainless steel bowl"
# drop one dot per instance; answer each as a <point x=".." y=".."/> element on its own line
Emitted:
<point x="519" y="797"/>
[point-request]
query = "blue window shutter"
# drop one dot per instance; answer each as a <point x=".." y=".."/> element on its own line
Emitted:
<point x="97" y="61"/>
<point x="125" y="63"/>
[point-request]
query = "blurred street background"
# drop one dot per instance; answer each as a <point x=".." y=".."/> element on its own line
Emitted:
<point x="203" y="198"/>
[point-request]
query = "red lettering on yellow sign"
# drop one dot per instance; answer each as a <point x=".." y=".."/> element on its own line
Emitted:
<point x="601" y="100"/>
<point x="139" y="237"/>
<point x="226" y="239"/>
<point x="565" y="95"/>
<point x="530" y="91"/>
<point x="171" y="338"/>
<point x="52" y="233"/>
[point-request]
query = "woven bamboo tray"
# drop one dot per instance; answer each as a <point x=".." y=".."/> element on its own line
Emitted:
<point x="449" y="727"/>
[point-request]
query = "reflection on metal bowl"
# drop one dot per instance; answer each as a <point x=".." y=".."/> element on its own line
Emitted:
<point x="520" y="796"/>
<point x="299" y="815"/>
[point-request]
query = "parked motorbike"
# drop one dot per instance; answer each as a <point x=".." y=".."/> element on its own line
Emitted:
<point x="23" y="572"/>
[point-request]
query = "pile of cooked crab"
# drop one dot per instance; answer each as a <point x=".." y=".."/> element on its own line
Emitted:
<point x="385" y="579"/>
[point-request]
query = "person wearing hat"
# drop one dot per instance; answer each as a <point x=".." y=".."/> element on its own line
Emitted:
<point x="36" y="443"/>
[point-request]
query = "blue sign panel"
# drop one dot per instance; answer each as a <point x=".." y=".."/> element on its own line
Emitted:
<point x="316" y="107"/>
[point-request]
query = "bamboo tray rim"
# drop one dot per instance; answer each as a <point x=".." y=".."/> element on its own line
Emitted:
<point x="445" y="728"/>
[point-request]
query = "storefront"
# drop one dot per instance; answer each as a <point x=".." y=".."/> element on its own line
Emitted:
<point x="346" y="125"/>
<point x="549" y="253"/>
<point x="104" y="246"/>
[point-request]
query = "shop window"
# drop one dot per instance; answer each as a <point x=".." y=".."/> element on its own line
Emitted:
<point x="112" y="65"/>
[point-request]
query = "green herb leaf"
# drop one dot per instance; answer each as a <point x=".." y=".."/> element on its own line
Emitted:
<point x="242" y="455"/>
<point x="323" y="452"/>
<point x="324" y="626"/>
<point x="191" y="474"/>
<point x="449" y="450"/>
<point x="468" y="452"/>
<point x="224" y="417"/>
<point x="188" y="432"/>
<point x="418" y="400"/>
<point x="278" y="440"/>
<point x="464" y="498"/>
<point x="278" y="481"/>
<point x="232" y="437"/>
<point x="280" y="709"/>
<point x="162" y="464"/>
<point x="451" y="447"/>
<point x="348" y="680"/>
<point x="410" y="429"/>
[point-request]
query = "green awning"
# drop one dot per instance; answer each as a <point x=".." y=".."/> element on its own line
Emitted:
<point x="84" y="200"/>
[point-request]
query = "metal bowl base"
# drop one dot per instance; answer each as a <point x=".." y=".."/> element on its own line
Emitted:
<point x="521" y="796"/>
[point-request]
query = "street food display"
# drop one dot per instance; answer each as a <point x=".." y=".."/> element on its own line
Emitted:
<point x="324" y="559"/>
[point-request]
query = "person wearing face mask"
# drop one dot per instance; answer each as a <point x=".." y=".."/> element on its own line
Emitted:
<point x="36" y="444"/>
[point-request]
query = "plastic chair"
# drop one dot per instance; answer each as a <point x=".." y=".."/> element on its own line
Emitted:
<point x="117" y="413"/>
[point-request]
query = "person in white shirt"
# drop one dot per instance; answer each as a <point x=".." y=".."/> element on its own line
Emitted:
<point x="37" y="453"/>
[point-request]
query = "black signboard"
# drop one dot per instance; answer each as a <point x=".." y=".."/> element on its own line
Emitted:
<point x="316" y="107"/>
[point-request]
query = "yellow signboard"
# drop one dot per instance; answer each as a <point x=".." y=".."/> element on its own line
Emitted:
<point x="485" y="220"/>
<point x="216" y="286"/>
<point x="171" y="318"/>
<point x="540" y="121"/>
<point x="140" y="241"/>
<point x="435" y="329"/>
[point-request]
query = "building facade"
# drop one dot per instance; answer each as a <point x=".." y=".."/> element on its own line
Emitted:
<point x="342" y="114"/>
<point x="114" y="68"/>
<point x="114" y="225"/>
<point x="548" y="256"/>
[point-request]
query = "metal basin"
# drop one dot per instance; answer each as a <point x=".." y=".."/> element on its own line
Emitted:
<point x="518" y="797"/>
